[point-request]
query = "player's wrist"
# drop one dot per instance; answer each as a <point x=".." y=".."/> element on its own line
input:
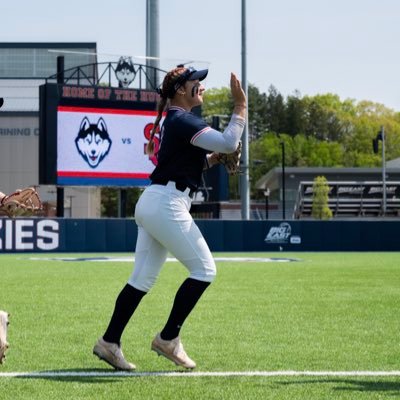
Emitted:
<point x="213" y="159"/>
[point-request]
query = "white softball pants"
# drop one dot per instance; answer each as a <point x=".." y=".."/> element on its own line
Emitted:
<point x="165" y="224"/>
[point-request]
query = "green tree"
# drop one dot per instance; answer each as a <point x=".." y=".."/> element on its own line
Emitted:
<point x="258" y="122"/>
<point x="110" y="200"/>
<point x="217" y="102"/>
<point x="275" y="111"/>
<point x="320" y="130"/>
<point x="320" y="207"/>
<point x="296" y="115"/>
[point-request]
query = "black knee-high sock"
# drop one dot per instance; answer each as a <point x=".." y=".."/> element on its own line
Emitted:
<point x="185" y="300"/>
<point x="125" y="306"/>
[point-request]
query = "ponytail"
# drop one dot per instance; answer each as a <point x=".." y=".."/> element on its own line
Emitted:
<point x="150" y="145"/>
<point x="167" y="91"/>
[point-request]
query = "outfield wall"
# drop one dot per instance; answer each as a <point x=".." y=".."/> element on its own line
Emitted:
<point x="119" y="235"/>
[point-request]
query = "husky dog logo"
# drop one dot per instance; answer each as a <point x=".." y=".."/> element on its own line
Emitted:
<point x="125" y="72"/>
<point x="93" y="141"/>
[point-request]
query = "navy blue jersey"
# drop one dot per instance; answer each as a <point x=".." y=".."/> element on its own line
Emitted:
<point x="178" y="159"/>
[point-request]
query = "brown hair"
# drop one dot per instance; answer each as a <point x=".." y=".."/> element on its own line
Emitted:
<point x="167" y="91"/>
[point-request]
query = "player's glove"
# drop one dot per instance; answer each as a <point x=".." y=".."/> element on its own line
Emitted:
<point x="3" y="335"/>
<point x="231" y="161"/>
<point x="25" y="202"/>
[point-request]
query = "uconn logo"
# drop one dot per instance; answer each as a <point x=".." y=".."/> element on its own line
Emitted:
<point x="125" y="72"/>
<point x="93" y="141"/>
<point x="28" y="234"/>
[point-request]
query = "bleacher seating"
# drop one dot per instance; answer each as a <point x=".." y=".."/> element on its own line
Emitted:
<point x="352" y="199"/>
<point x="232" y="210"/>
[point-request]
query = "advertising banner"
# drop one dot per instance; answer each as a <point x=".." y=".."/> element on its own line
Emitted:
<point x="103" y="146"/>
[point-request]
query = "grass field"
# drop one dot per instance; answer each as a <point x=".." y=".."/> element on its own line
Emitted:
<point x="325" y="312"/>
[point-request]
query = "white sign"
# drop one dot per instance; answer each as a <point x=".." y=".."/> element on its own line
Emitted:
<point x="103" y="146"/>
<point x="279" y="234"/>
<point x="25" y="234"/>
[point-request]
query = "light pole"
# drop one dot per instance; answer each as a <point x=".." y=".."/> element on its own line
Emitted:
<point x="70" y="205"/>
<point x="60" y="189"/>
<point x="381" y="136"/>
<point x="283" y="181"/>
<point x="266" y="194"/>
<point x="383" y="171"/>
<point x="152" y="42"/>
<point x="244" y="177"/>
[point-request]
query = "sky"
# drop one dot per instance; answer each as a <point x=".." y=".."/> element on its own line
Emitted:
<point x="346" y="47"/>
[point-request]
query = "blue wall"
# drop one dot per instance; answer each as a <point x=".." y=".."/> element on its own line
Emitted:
<point x="112" y="235"/>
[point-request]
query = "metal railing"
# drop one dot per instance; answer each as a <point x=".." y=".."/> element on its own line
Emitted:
<point x="104" y="74"/>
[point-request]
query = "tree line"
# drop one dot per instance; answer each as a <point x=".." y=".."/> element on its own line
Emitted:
<point x="318" y="131"/>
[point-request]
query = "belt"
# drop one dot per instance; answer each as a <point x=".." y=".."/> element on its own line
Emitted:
<point x="180" y="186"/>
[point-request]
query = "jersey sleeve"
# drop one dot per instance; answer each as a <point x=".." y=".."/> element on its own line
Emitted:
<point x="222" y="142"/>
<point x="191" y="127"/>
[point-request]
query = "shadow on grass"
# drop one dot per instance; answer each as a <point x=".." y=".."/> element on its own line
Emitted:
<point x="391" y="387"/>
<point x="93" y="375"/>
<point x="388" y="386"/>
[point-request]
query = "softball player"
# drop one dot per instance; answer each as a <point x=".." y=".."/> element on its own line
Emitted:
<point x="188" y="146"/>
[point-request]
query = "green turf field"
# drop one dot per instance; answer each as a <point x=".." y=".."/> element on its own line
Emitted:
<point x="326" y="312"/>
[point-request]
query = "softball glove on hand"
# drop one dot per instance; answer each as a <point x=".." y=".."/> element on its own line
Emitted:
<point x="231" y="161"/>
<point x="25" y="202"/>
<point x="3" y="335"/>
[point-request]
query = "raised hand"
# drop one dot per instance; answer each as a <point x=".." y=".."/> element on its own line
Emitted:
<point x="239" y="97"/>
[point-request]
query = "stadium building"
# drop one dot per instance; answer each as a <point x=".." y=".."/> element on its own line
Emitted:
<point x="23" y="68"/>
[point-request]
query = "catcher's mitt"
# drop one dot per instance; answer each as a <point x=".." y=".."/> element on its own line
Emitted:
<point x="3" y="335"/>
<point x="231" y="161"/>
<point x="25" y="202"/>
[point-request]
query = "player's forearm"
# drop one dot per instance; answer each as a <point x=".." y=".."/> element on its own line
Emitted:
<point x="226" y="142"/>
<point x="240" y="110"/>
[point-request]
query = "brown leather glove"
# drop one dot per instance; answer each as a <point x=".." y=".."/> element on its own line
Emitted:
<point x="25" y="202"/>
<point x="231" y="161"/>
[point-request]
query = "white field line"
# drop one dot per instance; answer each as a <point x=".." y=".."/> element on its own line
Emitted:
<point x="183" y="374"/>
<point x="131" y="259"/>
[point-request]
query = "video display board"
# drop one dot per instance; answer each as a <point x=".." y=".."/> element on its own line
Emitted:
<point x="95" y="136"/>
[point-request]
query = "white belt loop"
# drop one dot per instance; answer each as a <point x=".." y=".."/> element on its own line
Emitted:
<point x="172" y="184"/>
